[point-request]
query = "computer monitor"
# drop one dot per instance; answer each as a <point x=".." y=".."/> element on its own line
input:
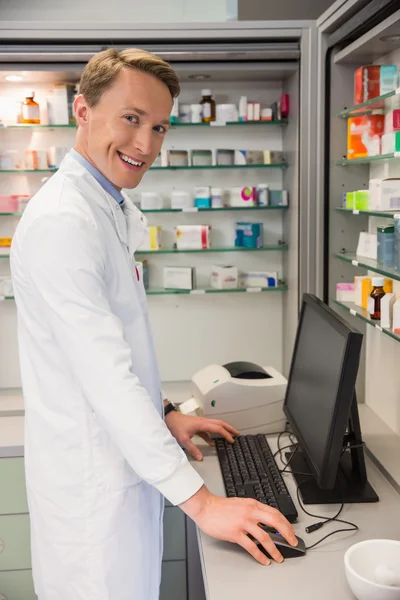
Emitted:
<point x="321" y="408"/>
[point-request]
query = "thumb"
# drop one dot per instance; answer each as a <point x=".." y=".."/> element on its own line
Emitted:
<point x="193" y="450"/>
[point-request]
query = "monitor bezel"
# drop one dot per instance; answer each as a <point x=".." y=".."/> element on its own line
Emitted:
<point x="326" y="475"/>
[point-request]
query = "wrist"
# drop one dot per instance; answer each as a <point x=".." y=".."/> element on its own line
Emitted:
<point x="196" y="506"/>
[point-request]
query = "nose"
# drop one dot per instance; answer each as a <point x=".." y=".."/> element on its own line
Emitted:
<point x="143" y="140"/>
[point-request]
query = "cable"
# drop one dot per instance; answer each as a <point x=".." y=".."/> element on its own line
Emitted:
<point x="324" y="520"/>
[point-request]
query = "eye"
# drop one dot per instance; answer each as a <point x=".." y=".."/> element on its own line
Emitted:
<point x="160" y="129"/>
<point x="131" y="118"/>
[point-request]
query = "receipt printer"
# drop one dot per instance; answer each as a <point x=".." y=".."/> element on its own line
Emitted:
<point x="247" y="396"/>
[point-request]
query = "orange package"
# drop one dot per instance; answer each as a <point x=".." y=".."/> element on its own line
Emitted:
<point x="364" y="135"/>
<point x="367" y="83"/>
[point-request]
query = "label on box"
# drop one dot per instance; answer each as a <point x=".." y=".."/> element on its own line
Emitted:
<point x="354" y="263"/>
<point x="378" y="327"/>
<point x="353" y="312"/>
<point x="253" y="290"/>
<point x="356" y="212"/>
<point x="190" y="209"/>
<point x="197" y="292"/>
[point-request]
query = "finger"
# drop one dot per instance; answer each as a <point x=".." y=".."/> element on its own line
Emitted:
<point x="265" y="540"/>
<point x="252" y="549"/>
<point x="228" y="427"/>
<point x="273" y="518"/>
<point x="207" y="438"/>
<point x="193" y="450"/>
<point x="212" y="427"/>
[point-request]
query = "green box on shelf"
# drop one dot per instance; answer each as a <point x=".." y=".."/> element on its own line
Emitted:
<point x="361" y="200"/>
<point x="350" y="201"/>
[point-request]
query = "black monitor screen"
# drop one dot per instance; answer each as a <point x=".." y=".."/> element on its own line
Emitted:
<point x="315" y="380"/>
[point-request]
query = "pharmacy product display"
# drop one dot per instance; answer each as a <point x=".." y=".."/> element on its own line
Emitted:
<point x="203" y="158"/>
<point x="208" y="110"/>
<point x="257" y="195"/>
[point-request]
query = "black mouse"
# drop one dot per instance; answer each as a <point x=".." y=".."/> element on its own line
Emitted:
<point x="282" y="545"/>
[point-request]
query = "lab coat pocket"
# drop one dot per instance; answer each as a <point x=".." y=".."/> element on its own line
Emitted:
<point x="112" y="472"/>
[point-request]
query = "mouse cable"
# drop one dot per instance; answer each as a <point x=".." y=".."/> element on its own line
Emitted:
<point x="325" y="520"/>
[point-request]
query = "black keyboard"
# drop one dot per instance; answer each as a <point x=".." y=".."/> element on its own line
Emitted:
<point x="249" y="470"/>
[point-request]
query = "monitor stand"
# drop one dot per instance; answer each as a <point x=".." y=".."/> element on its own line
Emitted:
<point x="351" y="484"/>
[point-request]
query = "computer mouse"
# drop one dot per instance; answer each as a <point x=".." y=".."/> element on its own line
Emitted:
<point x="283" y="546"/>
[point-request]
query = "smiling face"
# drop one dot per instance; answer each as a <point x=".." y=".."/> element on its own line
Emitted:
<point x="123" y="133"/>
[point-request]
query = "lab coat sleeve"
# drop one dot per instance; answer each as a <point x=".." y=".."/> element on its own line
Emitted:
<point x="65" y="266"/>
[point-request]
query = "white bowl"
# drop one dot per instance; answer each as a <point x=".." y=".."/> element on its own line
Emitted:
<point x="361" y="561"/>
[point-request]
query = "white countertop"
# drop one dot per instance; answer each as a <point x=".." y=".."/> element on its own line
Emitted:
<point x="229" y="572"/>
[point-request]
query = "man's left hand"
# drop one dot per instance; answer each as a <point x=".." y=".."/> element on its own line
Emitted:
<point x="184" y="427"/>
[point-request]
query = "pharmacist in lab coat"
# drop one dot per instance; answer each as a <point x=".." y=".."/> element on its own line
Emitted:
<point x="100" y="458"/>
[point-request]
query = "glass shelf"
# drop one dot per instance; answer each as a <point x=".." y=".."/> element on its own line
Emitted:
<point x="370" y="213"/>
<point x="4" y="256"/>
<point x="200" y="292"/>
<point x="28" y="170"/>
<point x="10" y="214"/>
<point x="232" y="124"/>
<point x="27" y="127"/>
<point x="370" y="264"/>
<point x="363" y="314"/>
<point x="344" y="162"/>
<point x="277" y="248"/>
<point x="368" y="107"/>
<point x="225" y="208"/>
<point x="196" y="168"/>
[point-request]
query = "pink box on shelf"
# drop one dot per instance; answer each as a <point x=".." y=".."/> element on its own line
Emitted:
<point x="8" y="203"/>
<point x="345" y="292"/>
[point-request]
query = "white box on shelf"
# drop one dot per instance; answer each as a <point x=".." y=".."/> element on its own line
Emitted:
<point x="151" y="201"/>
<point x="179" y="278"/>
<point x="384" y="194"/>
<point x="258" y="279"/>
<point x="192" y="237"/>
<point x="60" y="105"/>
<point x="387" y="303"/>
<point x="396" y="317"/>
<point x="224" y="278"/>
<point x="181" y="199"/>
<point x="241" y="197"/>
<point x="151" y="239"/>
<point x="55" y="155"/>
<point x="345" y="292"/>
<point x="367" y="245"/>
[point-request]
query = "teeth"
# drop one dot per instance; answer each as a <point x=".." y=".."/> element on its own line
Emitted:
<point x="130" y="161"/>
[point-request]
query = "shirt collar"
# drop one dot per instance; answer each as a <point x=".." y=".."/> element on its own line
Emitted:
<point x="105" y="184"/>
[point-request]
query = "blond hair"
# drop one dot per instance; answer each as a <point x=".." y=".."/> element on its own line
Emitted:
<point x="101" y="71"/>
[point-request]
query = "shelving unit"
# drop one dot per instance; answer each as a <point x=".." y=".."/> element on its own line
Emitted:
<point x="368" y="107"/>
<point x="363" y="314"/>
<point x="368" y="213"/>
<point x="344" y="162"/>
<point x="277" y="248"/>
<point x="190" y="168"/>
<point x="215" y="210"/>
<point x="367" y="263"/>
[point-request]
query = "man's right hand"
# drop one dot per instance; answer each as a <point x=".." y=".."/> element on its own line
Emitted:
<point x="233" y="519"/>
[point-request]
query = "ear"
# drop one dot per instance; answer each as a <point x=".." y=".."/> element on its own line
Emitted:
<point x="81" y="110"/>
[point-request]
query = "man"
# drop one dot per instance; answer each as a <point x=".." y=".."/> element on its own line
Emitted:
<point x="99" y="455"/>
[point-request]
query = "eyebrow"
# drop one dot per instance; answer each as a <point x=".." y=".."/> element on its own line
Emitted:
<point x="143" y="113"/>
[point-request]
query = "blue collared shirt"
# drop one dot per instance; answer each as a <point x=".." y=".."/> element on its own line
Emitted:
<point x="105" y="184"/>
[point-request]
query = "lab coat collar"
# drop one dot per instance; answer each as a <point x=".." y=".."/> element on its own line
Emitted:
<point x="130" y="223"/>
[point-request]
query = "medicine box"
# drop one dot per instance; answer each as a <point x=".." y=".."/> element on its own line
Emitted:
<point x="60" y="105"/>
<point x="201" y="158"/>
<point x="181" y="200"/>
<point x="396" y="317"/>
<point x="202" y="197"/>
<point x="152" y="239"/>
<point x="384" y="194"/>
<point x="258" y="279"/>
<point x="278" y="197"/>
<point x="249" y="235"/>
<point x="387" y="303"/>
<point x="366" y="83"/>
<point x="362" y="290"/>
<point x="361" y="199"/>
<point x="345" y="292"/>
<point x="391" y="142"/>
<point x="224" y="278"/>
<point x="368" y="245"/>
<point x="241" y="197"/>
<point x="151" y="201"/>
<point x="273" y="157"/>
<point x="364" y="136"/>
<point x="192" y="237"/>
<point x="179" y="278"/>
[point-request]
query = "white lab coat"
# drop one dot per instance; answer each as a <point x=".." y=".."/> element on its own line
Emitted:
<point x="98" y="455"/>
